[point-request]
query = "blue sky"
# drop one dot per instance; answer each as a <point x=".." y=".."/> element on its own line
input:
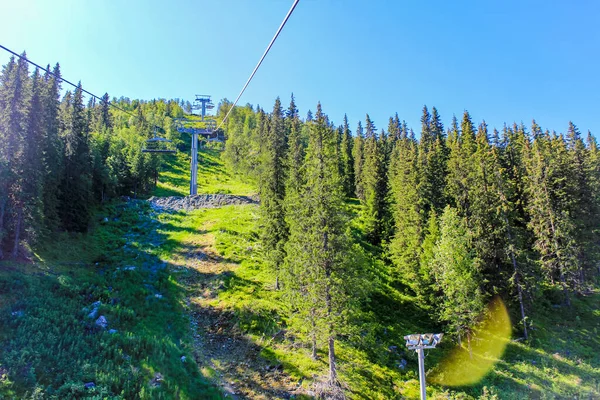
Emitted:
<point x="503" y="61"/>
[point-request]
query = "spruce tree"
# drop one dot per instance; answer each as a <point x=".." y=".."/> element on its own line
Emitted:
<point x="52" y="151"/>
<point x="457" y="277"/>
<point x="32" y="167"/>
<point x="5" y="148"/>
<point x="485" y="221"/>
<point x="547" y="166"/>
<point x="437" y="164"/>
<point x="295" y="149"/>
<point x="406" y="242"/>
<point x="105" y="119"/>
<point x="584" y="208"/>
<point x="427" y="138"/>
<point x="593" y="172"/>
<point x="319" y="263"/>
<point x="431" y="176"/>
<point x="76" y="183"/>
<point x="358" y="155"/>
<point x="347" y="160"/>
<point x="461" y="144"/>
<point x="393" y="135"/>
<point x="272" y="191"/>
<point x="373" y="180"/>
<point x="423" y="285"/>
<point x="515" y="238"/>
<point x="13" y="121"/>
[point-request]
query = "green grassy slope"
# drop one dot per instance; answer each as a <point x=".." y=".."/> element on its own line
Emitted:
<point x="174" y="180"/>
<point x="49" y="345"/>
<point x="560" y="361"/>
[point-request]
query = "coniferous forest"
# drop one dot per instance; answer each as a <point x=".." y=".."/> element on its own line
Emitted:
<point x="452" y="214"/>
<point x="61" y="157"/>
<point x="461" y="214"/>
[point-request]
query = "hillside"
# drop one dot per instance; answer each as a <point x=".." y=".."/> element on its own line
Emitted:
<point x="190" y="312"/>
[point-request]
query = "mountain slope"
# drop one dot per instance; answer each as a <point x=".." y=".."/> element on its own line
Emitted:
<point x="193" y="285"/>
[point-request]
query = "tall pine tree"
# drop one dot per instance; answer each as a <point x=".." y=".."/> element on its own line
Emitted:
<point x="374" y="183"/>
<point x="359" y="161"/>
<point x="319" y="263"/>
<point x="52" y="150"/>
<point x="347" y="160"/>
<point x="406" y="242"/>
<point x="76" y="182"/>
<point x="272" y="191"/>
<point x="457" y="276"/>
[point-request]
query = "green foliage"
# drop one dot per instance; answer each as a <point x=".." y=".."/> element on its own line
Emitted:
<point x="558" y="361"/>
<point x="242" y="153"/>
<point x="457" y="276"/>
<point x="347" y="160"/>
<point x="373" y="178"/>
<point x="406" y="242"/>
<point x="272" y="190"/>
<point x="321" y="274"/>
<point x="60" y="158"/>
<point x="53" y="347"/>
<point x="519" y="220"/>
<point x="359" y="160"/>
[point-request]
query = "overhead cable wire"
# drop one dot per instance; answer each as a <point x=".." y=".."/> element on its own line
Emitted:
<point x="72" y="84"/>
<point x="260" y="61"/>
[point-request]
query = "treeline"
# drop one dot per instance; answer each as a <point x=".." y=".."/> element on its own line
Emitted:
<point x="60" y="156"/>
<point x="462" y="214"/>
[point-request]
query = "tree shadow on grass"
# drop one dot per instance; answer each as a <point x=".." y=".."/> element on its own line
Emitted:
<point x="51" y="324"/>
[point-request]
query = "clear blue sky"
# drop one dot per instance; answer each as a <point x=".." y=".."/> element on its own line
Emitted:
<point x="503" y="61"/>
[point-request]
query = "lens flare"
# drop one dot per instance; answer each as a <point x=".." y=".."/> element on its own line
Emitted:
<point x="488" y="342"/>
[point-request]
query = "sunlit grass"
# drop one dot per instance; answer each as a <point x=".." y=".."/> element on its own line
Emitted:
<point x="174" y="179"/>
<point x="527" y="370"/>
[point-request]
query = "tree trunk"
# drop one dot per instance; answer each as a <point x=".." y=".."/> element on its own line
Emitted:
<point x="513" y="258"/>
<point x="469" y="345"/>
<point x="517" y="281"/>
<point x="565" y="288"/>
<point x="331" y="340"/>
<point x="277" y="282"/>
<point x="581" y="275"/>
<point x="520" y="293"/>
<point x="333" y="380"/>
<point x="15" y="251"/>
<point x="313" y="334"/>
<point x="561" y="267"/>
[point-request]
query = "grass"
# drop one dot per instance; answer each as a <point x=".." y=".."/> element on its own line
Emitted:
<point x="50" y="346"/>
<point x="213" y="178"/>
<point x="560" y="361"/>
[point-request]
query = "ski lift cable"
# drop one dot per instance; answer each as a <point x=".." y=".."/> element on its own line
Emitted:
<point x="260" y="61"/>
<point x="74" y="85"/>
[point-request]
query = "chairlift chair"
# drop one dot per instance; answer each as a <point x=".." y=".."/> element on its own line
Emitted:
<point x="158" y="145"/>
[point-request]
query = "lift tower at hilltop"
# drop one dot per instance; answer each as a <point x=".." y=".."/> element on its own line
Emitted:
<point x="203" y="103"/>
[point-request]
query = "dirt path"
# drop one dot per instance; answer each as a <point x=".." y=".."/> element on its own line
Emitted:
<point x="221" y="349"/>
